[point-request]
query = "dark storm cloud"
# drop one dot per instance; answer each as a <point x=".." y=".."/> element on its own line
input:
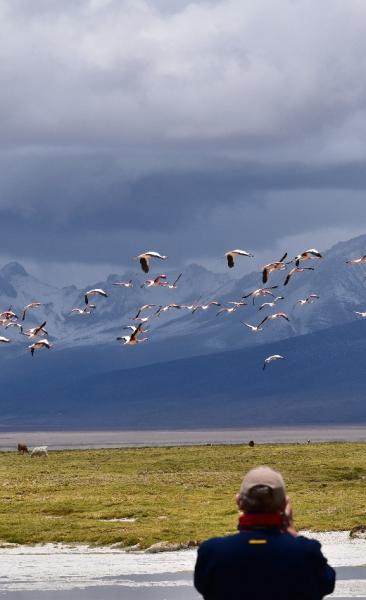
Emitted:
<point x="188" y="127"/>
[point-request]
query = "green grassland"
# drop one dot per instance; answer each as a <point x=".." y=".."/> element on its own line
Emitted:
<point x="176" y="494"/>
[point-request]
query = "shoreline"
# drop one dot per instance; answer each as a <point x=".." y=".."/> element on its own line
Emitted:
<point x="105" y="439"/>
<point x="335" y="536"/>
<point x="61" y="569"/>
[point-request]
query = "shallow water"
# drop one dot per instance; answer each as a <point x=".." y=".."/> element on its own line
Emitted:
<point x="54" y="572"/>
<point x="119" y="439"/>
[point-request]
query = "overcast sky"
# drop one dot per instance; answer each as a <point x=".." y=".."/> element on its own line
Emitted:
<point x="189" y="128"/>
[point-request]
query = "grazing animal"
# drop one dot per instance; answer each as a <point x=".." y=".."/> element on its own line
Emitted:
<point x="233" y="253"/>
<point x="23" y="449"/>
<point x="251" y="444"/>
<point x="39" y="451"/>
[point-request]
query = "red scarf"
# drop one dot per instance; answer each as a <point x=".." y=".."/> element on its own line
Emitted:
<point x="260" y="520"/>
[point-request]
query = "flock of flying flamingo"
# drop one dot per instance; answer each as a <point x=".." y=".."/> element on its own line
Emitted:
<point x="8" y="318"/>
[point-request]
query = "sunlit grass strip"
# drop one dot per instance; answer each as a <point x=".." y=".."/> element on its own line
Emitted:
<point x="175" y="494"/>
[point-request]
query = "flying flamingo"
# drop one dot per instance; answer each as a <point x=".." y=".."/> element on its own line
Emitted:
<point x="126" y="284"/>
<point x="145" y="257"/>
<point x="163" y="309"/>
<point x="132" y="339"/>
<point x="272" y="358"/>
<point x="309" y="300"/>
<point x="140" y="310"/>
<point x="230" y="310"/>
<point x="30" y="306"/>
<point x="232" y="254"/>
<point x="270" y="304"/>
<point x="357" y="261"/>
<point x="296" y="270"/>
<point x="205" y="306"/>
<point x="36" y="331"/>
<point x="279" y="265"/>
<point x="307" y="255"/>
<point x="86" y="310"/>
<point x="254" y="328"/>
<point x="279" y="315"/>
<point x="4" y="340"/>
<point x="39" y="345"/>
<point x="261" y="292"/>
<point x="154" y="282"/>
<point x="94" y="292"/>
<point x="173" y="285"/>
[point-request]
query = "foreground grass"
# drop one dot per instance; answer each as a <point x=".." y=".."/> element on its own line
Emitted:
<point x="175" y="494"/>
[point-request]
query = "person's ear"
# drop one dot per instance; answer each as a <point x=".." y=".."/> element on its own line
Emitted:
<point x="238" y="501"/>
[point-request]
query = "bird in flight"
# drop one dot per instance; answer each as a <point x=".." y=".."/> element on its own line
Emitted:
<point x="30" y="306"/>
<point x="309" y="300"/>
<point x="232" y="254"/>
<point x="279" y="315"/>
<point x="296" y="270"/>
<point x="94" y="292"/>
<point x="86" y="310"/>
<point x="4" y="340"/>
<point x="307" y="255"/>
<point x="261" y="292"/>
<point x="205" y="306"/>
<point x="141" y="309"/>
<point x="39" y="345"/>
<point x="133" y="338"/>
<point x="279" y="265"/>
<point x="126" y="284"/>
<point x="272" y="358"/>
<point x="173" y="285"/>
<point x="8" y="314"/>
<point x="145" y="257"/>
<point x="154" y="282"/>
<point x="357" y="261"/>
<point x="271" y="304"/>
<point x="360" y="314"/>
<point x="36" y="331"/>
<point x="254" y="328"/>
<point x="163" y="309"/>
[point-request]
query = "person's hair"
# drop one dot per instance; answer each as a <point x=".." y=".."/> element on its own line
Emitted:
<point x="260" y="499"/>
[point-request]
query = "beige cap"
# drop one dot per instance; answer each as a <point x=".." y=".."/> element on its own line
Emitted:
<point x="263" y="490"/>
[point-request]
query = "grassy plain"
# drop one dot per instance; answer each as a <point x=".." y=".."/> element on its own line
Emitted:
<point x="176" y="494"/>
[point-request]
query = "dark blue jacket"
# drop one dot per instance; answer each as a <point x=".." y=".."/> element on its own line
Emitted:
<point x="262" y="565"/>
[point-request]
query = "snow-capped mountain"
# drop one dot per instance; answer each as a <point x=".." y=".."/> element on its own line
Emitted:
<point x="341" y="287"/>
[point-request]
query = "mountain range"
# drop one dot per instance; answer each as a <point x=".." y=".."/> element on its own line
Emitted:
<point x="196" y="370"/>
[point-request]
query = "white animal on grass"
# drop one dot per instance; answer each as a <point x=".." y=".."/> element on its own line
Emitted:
<point x="39" y="451"/>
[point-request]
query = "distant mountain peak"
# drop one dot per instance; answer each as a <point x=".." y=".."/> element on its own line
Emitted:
<point x="13" y="269"/>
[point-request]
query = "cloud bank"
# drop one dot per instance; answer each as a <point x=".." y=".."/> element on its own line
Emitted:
<point x="190" y="127"/>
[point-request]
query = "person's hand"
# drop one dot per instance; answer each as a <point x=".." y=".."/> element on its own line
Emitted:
<point x="288" y="519"/>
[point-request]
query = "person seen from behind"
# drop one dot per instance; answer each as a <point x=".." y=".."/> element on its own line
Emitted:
<point x="266" y="559"/>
